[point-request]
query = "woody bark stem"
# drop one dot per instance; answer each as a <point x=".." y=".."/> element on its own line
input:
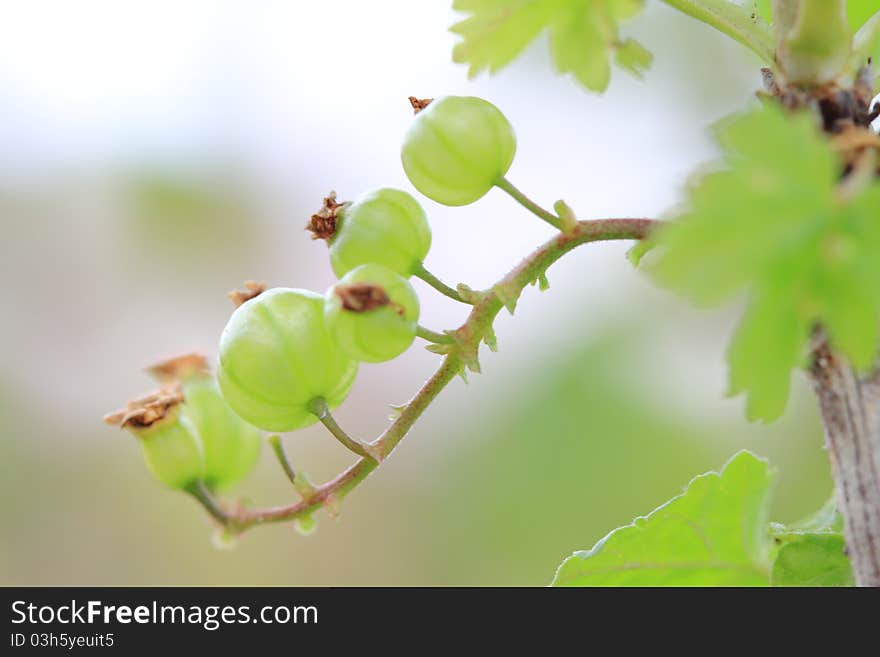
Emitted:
<point x="850" y="407"/>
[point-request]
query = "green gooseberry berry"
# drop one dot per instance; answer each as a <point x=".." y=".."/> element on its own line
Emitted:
<point x="168" y="441"/>
<point x="385" y="226"/>
<point x="230" y="445"/>
<point x="372" y="313"/>
<point x="276" y="356"/>
<point x="457" y="149"/>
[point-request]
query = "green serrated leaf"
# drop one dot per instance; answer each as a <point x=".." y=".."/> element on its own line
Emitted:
<point x="812" y="560"/>
<point x="812" y="552"/>
<point x="583" y="35"/>
<point x="769" y="343"/>
<point x="579" y="41"/>
<point x="714" y="534"/>
<point x="498" y="30"/>
<point x="773" y="224"/>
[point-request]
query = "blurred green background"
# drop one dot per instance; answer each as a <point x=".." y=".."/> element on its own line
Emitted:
<point x="156" y="155"/>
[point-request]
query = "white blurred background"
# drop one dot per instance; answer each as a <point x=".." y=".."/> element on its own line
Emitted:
<point x="153" y="155"/>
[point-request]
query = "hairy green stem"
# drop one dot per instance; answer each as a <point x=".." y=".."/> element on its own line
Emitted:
<point x="278" y="448"/>
<point x="437" y="284"/>
<point x="466" y="343"/>
<point x="207" y="500"/>
<point x="737" y="22"/>
<point x="432" y="336"/>
<point x="529" y="204"/>
<point x="318" y="407"/>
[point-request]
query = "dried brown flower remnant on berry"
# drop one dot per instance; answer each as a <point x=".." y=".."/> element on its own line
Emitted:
<point x="178" y="368"/>
<point x="418" y="104"/>
<point x="322" y="224"/>
<point x="364" y="297"/>
<point x="147" y="410"/>
<point x="251" y="289"/>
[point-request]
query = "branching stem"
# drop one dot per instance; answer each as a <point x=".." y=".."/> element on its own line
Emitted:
<point x="467" y="340"/>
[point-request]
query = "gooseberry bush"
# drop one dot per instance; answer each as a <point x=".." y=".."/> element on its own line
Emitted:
<point x="789" y="220"/>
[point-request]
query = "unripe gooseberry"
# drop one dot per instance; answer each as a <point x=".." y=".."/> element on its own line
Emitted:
<point x="230" y="445"/>
<point x="385" y="226"/>
<point x="169" y="443"/>
<point x="276" y="356"/>
<point x="372" y="313"/>
<point x="457" y="148"/>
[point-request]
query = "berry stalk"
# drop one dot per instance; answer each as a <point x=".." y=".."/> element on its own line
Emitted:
<point x="467" y="340"/>
<point x="529" y="204"/>
<point x="432" y="336"/>
<point x="437" y="284"/>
